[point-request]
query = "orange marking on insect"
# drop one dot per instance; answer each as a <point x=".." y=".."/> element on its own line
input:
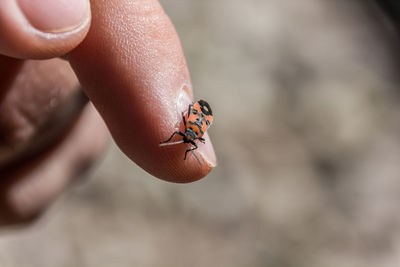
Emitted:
<point x="196" y="122"/>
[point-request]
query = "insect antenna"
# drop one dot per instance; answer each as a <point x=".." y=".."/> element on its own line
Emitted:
<point x="172" y="143"/>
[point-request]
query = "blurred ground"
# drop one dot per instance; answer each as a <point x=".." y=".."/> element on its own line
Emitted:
<point x="307" y="132"/>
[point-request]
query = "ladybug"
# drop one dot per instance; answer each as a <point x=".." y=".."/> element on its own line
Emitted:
<point x="199" y="117"/>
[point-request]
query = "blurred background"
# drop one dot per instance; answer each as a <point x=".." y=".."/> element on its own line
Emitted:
<point x="307" y="133"/>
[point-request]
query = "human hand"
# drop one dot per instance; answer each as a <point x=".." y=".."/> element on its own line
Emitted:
<point x="131" y="67"/>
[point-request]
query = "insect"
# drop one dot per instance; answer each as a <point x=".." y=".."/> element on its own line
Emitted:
<point x="197" y="121"/>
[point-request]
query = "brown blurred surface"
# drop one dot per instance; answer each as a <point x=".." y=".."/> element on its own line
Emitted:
<point x="306" y="101"/>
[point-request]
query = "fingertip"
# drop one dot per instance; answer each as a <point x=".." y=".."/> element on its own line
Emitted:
<point x="43" y="28"/>
<point x="174" y="168"/>
<point x="199" y="162"/>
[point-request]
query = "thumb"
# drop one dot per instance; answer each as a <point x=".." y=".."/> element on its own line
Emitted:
<point x="42" y="28"/>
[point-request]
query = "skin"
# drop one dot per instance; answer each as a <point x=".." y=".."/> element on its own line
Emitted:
<point x="127" y="58"/>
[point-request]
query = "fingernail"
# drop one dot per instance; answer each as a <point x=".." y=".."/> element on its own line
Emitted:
<point x="55" y="16"/>
<point x="184" y="99"/>
<point x="207" y="152"/>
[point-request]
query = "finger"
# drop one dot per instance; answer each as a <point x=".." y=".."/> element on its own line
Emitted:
<point x="42" y="28"/>
<point x="29" y="187"/>
<point x="38" y="100"/>
<point x="392" y="10"/>
<point x="132" y="67"/>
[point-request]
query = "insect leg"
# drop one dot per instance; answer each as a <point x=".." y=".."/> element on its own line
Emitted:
<point x="191" y="149"/>
<point x="189" y="109"/>
<point x="169" y="139"/>
<point x="184" y="120"/>
<point x="202" y="140"/>
<point x="183" y="115"/>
